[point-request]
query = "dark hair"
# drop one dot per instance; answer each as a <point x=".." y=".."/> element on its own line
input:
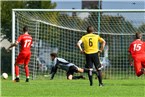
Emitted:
<point x="25" y="29"/>
<point x="138" y="35"/>
<point x="90" y="29"/>
<point x="53" y="55"/>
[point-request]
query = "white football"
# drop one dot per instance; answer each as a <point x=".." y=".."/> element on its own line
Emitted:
<point x="5" y="75"/>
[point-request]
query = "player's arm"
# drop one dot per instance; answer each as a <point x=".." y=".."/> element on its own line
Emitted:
<point x="130" y="57"/>
<point x="54" y="69"/>
<point x="12" y="45"/>
<point x="79" y="46"/>
<point x="103" y="42"/>
<point x="53" y="72"/>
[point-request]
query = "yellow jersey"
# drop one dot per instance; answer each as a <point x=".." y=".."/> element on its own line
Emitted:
<point x="90" y="42"/>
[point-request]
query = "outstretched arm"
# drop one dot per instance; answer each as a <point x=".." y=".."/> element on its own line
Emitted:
<point x="54" y="68"/>
<point x="53" y="72"/>
<point x="12" y="45"/>
<point x="130" y="59"/>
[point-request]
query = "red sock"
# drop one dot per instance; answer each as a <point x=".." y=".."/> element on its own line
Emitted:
<point x="17" y="70"/>
<point x="26" y="71"/>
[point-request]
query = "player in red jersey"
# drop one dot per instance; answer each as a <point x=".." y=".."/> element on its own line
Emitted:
<point x="25" y="41"/>
<point x="137" y="53"/>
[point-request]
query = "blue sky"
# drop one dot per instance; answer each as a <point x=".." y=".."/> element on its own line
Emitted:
<point x="106" y="4"/>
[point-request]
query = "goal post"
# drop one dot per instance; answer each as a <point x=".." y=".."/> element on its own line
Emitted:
<point x="58" y="30"/>
<point x="13" y="49"/>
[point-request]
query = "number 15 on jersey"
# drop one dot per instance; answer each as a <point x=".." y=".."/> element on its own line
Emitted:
<point x="137" y="47"/>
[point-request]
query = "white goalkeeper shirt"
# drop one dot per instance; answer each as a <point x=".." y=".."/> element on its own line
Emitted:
<point x="62" y="63"/>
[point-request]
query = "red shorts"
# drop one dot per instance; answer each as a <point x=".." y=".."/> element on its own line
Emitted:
<point x="23" y="58"/>
<point x="139" y="63"/>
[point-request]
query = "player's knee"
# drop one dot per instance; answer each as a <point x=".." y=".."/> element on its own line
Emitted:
<point x="69" y="77"/>
<point x="25" y="65"/>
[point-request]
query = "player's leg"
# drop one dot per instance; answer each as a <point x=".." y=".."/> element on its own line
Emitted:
<point x="138" y="67"/>
<point x="69" y="75"/>
<point x="86" y="70"/>
<point x="26" y="62"/>
<point x="97" y="64"/>
<point x="78" y="77"/>
<point x="71" y="71"/>
<point x="90" y="67"/>
<point x="26" y="72"/>
<point x="143" y="64"/>
<point x="19" y="60"/>
<point x="100" y="77"/>
<point x="17" y="79"/>
<point x="77" y="70"/>
<point x="80" y="70"/>
<point x="143" y="68"/>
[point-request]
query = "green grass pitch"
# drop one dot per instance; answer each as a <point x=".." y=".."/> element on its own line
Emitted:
<point x="73" y="88"/>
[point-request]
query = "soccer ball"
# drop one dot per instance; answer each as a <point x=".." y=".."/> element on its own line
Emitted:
<point x="5" y="75"/>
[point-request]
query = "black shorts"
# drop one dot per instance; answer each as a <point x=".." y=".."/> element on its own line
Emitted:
<point x="71" y="70"/>
<point x="92" y="59"/>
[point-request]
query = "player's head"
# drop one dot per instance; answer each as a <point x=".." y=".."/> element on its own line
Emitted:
<point x="53" y="56"/>
<point x="90" y="29"/>
<point x="25" y="29"/>
<point x="138" y="35"/>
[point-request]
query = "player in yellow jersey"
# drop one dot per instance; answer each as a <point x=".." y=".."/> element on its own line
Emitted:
<point x="91" y="49"/>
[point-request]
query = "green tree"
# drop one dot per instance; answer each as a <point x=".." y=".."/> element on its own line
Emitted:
<point x="6" y="12"/>
<point x="6" y="16"/>
<point x="40" y="4"/>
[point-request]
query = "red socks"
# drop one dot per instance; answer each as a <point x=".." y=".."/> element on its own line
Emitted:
<point x="17" y="70"/>
<point x="26" y="71"/>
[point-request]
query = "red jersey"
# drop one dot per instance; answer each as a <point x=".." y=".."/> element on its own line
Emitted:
<point x="137" y="47"/>
<point x="26" y="41"/>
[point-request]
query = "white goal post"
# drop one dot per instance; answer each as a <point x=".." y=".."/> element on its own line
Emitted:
<point x="58" y="30"/>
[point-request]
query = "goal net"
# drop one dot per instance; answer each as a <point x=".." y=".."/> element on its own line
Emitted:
<point x="59" y="30"/>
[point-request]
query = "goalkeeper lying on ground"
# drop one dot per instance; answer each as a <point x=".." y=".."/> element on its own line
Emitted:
<point x="70" y="68"/>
